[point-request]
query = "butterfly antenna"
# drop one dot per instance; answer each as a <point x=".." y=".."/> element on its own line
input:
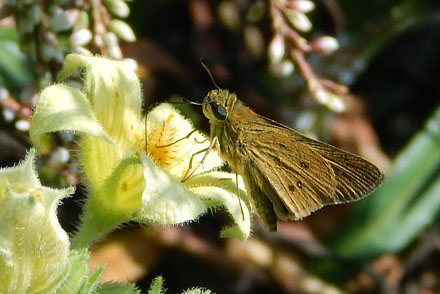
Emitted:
<point x="185" y="101"/>
<point x="209" y="72"/>
<point x="192" y="102"/>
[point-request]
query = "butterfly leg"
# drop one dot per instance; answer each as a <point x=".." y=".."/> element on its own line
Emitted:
<point x="178" y="140"/>
<point x="238" y="196"/>
<point x="206" y="150"/>
<point x="200" y="142"/>
<point x="237" y="145"/>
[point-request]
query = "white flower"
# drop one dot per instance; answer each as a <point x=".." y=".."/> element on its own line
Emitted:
<point x="130" y="175"/>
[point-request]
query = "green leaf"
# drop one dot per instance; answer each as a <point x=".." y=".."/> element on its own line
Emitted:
<point x="156" y="286"/>
<point x="112" y="288"/>
<point x="197" y="291"/>
<point x="93" y="281"/>
<point x="76" y="277"/>
<point x="406" y="203"/>
<point x="79" y="282"/>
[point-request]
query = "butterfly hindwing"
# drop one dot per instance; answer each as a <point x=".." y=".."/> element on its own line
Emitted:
<point x="300" y="175"/>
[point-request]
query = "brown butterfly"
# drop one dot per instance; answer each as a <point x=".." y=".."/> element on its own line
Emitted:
<point x="286" y="174"/>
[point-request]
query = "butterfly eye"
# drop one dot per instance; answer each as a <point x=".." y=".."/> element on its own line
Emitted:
<point x="219" y="111"/>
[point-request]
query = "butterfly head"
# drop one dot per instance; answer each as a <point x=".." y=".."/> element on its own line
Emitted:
<point x="218" y="103"/>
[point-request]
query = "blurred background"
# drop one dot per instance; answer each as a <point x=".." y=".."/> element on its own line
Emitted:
<point x="361" y="75"/>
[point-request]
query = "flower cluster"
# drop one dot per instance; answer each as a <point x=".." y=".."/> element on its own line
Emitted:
<point x="288" y="47"/>
<point x="90" y="26"/>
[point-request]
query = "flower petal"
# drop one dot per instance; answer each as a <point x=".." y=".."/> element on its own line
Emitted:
<point x="167" y="127"/>
<point x="165" y="200"/>
<point x="221" y="189"/>
<point x="63" y="108"/>
<point x="33" y="247"/>
<point x="114" y="92"/>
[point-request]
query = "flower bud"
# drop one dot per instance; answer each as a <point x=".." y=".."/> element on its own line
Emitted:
<point x="283" y="68"/>
<point x="60" y="156"/>
<point x="276" y="49"/>
<point x="254" y="40"/>
<point x="117" y="7"/>
<point x="132" y="63"/>
<point x="321" y="96"/>
<point x="22" y="125"/>
<point x="51" y="38"/>
<point x="122" y="30"/>
<point x="48" y="52"/>
<point x="298" y="20"/>
<point x="59" y="55"/>
<point x="28" y="19"/>
<point x="99" y="41"/>
<point x="59" y="22"/>
<point x="80" y="38"/>
<point x="303" y="6"/>
<point x="229" y="14"/>
<point x="82" y="21"/>
<point x="332" y="101"/>
<point x="82" y="51"/>
<point x="4" y="94"/>
<point x="8" y="115"/>
<point x="256" y="11"/>
<point x="336" y="104"/>
<point x="111" y="43"/>
<point x="34" y="13"/>
<point x="325" y="44"/>
<point x="287" y="67"/>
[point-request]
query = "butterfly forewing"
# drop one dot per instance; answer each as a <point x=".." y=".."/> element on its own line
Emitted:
<point x="296" y="173"/>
